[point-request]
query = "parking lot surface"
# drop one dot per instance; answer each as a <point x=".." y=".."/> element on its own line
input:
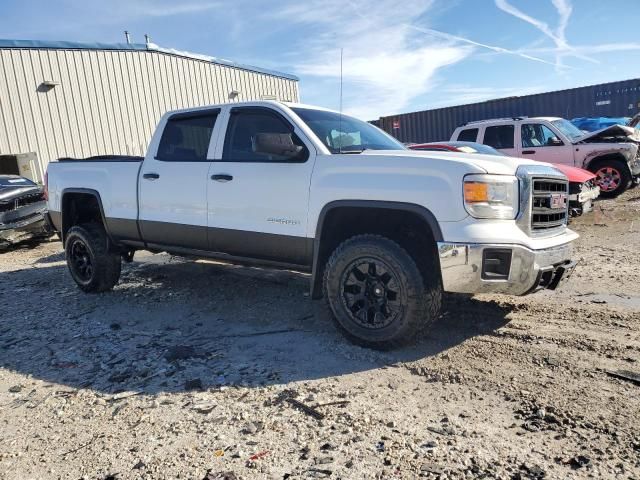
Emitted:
<point x="195" y="369"/>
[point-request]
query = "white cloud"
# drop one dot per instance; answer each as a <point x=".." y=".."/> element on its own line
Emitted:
<point x="160" y="9"/>
<point x="385" y="64"/>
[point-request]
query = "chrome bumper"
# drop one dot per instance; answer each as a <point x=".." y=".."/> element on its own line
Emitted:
<point x="463" y="268"/>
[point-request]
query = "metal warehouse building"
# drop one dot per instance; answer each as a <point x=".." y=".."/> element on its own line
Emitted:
<point x="617" y="99"/>
<point x="66" y="99"/>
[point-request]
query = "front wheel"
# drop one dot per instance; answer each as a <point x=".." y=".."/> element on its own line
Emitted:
<point x="612" y="176"/>
<point x="92" y="266"/>
<point x="377" y="295"/>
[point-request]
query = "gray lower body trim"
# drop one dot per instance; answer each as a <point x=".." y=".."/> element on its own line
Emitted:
<point x="243" y="246"/>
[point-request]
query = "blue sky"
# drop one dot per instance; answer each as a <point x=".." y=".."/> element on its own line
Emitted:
<point x="398" y="56"/>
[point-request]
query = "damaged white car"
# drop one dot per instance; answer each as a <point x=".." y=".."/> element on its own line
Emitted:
<point x="611" y="153"/>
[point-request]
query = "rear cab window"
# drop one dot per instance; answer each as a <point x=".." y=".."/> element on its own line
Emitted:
<point x="468" y="135"/>
<point x="499" y="136"/>
<point x="186" y="137"/>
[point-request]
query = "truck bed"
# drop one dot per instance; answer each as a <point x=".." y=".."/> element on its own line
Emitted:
<point x="115" y="177"/>
<point x="104" y="158"/>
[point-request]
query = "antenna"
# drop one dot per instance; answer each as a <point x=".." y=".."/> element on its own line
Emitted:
<point x="127" y="37"/>
<point x="340" y="137"/>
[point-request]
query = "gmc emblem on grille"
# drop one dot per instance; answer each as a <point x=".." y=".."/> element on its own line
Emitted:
<point x="558" y="200"/>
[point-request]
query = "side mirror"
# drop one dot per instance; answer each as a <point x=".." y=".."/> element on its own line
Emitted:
<point x="276" y="144"/>
<point x="555" y="141"/>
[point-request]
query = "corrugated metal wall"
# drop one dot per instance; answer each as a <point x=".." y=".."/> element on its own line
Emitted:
<point x="109" y="101"/>
<point x="617" y="99"/>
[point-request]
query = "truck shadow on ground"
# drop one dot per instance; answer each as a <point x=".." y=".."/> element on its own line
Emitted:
<point x="174" y="325"/>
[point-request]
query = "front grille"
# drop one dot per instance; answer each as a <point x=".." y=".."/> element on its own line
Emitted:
<point x="29" y="199"/>
<point x="548" y="203"/>
<point x="14" y="204"/>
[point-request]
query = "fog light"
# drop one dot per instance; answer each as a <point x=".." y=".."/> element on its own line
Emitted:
<point x="496" y="263"/>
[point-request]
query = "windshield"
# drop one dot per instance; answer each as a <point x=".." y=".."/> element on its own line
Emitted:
<point x="344" y="134"/>
<point x="15" y="182"/>
<point x="567" y="128"/>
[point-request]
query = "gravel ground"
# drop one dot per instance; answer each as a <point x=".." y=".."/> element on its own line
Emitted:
<point x="201" y="370"/>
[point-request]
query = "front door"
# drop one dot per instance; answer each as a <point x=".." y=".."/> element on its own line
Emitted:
<point x="173" y="184"/>
<point x="539" y="142"/>
<point x="258" y="202"/>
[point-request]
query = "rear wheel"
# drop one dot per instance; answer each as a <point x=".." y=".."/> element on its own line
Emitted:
<point x="612" y="176"/>
<point x="377" y="294"/>
<point x="92" y="266"/>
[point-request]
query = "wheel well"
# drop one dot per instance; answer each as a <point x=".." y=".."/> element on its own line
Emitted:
<point x="79" y="207"/>
<point x="407" y="228"/>
<point x="609" y="156"/>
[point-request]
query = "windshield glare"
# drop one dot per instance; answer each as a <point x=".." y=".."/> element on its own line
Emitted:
<point x="567" y="128"/>
<point x="341" y="133"/>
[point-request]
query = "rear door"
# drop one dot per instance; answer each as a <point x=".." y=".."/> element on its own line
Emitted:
<point x="258" y="204"/>
<point x="173" y="182"/>
<point x="539" y="142"/>
<point x="502" y="137"/>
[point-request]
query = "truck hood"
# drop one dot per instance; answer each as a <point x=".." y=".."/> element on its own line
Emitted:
<point x="620" y="132"/>
<point x="499" y="165"/>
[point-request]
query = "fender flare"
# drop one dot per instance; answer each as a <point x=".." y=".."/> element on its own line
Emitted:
<point x="423" y="212"/>
<point x="594" y="156"/>
<point x="86" y="191"/>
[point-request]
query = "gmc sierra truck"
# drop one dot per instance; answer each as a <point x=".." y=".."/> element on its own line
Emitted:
<point x="383" y="231"/>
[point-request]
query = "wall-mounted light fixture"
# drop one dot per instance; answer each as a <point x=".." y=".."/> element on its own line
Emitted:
<point x="47" y="85"/>
<point x="234" y="94"/>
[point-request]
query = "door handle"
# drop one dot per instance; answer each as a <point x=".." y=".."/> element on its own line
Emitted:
<point x="222" y="177"/>
<point x="528" y="152"/>
<point x="151" y="176"/>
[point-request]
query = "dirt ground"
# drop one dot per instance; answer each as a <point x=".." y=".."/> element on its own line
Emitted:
<point x="194" y="370"/>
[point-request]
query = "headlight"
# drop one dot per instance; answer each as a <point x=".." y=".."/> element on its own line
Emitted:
<point x="491" y="196"/>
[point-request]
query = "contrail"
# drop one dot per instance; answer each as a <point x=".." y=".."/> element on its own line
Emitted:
<point x="448" y="36"/>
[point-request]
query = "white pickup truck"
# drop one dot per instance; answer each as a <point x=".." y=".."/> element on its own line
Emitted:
<point x="381" y="230"/>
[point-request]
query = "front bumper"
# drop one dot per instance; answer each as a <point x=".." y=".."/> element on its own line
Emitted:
<point x="23" y="229"/>
<point x="466" y="268"/>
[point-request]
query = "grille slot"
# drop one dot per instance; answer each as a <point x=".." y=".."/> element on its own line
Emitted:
<point x="29" y="199"/>
<point x="549" y="203"/>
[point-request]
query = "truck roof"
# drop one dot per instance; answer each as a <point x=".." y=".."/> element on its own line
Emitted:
<point x="250" y="103"/>
<point x="509" y="119"/>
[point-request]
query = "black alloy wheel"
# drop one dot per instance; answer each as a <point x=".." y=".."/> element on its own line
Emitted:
<point x="371" y="293"/>
<point x="80" y="260"/>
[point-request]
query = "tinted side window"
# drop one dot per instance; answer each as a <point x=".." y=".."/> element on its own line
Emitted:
<point x="499" y="136"/>
<point x="468" y="135"/>
<point x="242" y="131"/>
<point x="186" y="138"/>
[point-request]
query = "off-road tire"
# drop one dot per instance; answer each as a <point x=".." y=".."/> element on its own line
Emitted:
<point x="91" y="239"/>
<point x="420" y="295"/>
<point x="621" y="167"/>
